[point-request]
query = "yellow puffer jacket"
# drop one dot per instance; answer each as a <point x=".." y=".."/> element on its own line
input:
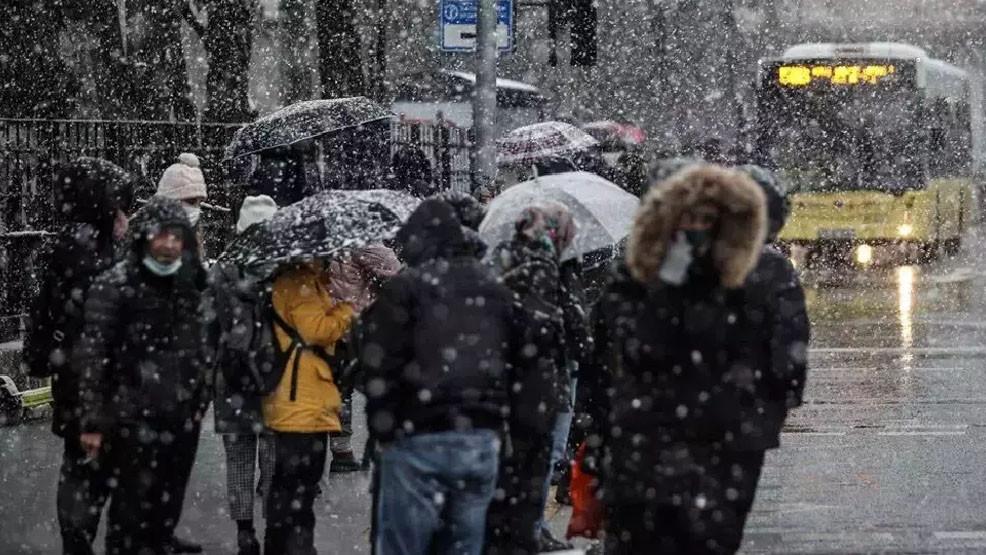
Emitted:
<point x="303" y="302"/>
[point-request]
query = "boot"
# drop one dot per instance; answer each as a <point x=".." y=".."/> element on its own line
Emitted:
<point x="246" y="542"/>
<point x="344" y="461"/>
<point x="178" y="545"/>
<point x="563" y="495"/>
<point x="547" y="543"/>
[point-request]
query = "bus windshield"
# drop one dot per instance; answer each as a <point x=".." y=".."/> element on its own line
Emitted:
<point x="849" y="138"/>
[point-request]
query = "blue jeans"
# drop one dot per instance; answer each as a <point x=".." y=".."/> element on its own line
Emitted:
<point x="559" y="446"/>
<point x="432" y="493"/>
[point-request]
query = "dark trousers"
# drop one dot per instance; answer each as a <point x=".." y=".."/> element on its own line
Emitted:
<point x="188" y="442"/>
<point x="709" y="521"/>
<point x="512" y="520"/>
<point x="150" y="466"/>
<point x="298" y="467"/>
<point x="83" y="488"/>
<point x="342" y="441"/>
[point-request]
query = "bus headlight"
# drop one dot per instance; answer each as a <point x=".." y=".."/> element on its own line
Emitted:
<point x="864" y="254"/>
<point x="905" y="230"/>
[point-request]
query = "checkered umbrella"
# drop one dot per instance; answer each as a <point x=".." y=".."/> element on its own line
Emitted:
<point x="552" y="139"/>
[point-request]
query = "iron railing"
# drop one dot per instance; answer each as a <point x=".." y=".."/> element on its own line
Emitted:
<point x="32" y="150"/>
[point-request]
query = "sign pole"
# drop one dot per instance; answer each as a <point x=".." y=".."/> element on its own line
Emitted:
<point x="484" y="97"/>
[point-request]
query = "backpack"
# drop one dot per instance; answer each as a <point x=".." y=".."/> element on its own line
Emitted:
<point x="45" y="333"/>
<point x="250" y="357"/>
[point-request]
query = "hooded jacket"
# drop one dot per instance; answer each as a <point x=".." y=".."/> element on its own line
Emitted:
<point x="679" y="372"/>
<point x="437" y="346"/>
<point x="142" y="356"/>
<point x="89" y="191"/>
<point x="775" y="192"/>
<point x="530" y="269"/>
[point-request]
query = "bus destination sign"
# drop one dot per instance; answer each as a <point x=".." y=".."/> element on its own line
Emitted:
<point x="804" y="75"/>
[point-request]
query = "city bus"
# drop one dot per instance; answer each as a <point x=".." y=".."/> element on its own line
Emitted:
<point x="878" y="143"/>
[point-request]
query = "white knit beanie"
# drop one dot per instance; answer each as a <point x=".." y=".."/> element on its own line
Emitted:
<point x="255" y="210"/>
<point x="183" y="180"/>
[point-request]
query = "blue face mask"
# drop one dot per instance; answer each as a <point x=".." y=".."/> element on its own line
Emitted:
<point x="159" y="268"/>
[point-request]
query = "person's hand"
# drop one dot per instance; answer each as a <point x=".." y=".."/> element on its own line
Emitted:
<point x="91" y="442"/>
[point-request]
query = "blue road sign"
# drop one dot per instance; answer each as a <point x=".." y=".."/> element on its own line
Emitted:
<point x="458" y="25"/>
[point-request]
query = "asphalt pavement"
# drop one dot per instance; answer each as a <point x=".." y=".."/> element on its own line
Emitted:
<point x="886" y="455"/>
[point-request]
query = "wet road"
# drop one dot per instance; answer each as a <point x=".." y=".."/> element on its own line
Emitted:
<point x="887" y="454"/>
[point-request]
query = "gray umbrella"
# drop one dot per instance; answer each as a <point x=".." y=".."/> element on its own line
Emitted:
<point x="319" y="227"/>
<point x="302" y="121"/>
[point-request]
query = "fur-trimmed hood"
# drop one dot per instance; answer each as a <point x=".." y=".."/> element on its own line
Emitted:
<point x="739" y="236"/>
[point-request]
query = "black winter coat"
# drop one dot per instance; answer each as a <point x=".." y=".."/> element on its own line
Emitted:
<point x="90" y="191"/>
<point x="681" y="373"/>
<point x="80" y="253"/>
<point x="143" y="352"/>
<point x="435" y="348"/>
<point x="532" y="273"/>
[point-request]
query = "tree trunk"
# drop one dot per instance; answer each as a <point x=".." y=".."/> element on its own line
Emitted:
<point x="297" y="85"/>
<point x="159" y="78"/>
<point x="36" y="82"/>
<point x="339" y="62"/>
<point x="228" y="39"/>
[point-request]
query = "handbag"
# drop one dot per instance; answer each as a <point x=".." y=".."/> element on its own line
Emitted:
<point x="588" y="511"/>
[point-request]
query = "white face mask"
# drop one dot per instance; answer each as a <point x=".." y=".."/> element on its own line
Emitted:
<point x="193" y="213"/>
<point x="674" y="271"/>
<point x="160" y="269"/>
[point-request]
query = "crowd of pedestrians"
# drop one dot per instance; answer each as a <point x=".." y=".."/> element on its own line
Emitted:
<point x="483" y="367"/>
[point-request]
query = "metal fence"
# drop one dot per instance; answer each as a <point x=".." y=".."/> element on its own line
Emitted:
<point x="32" y="150"/>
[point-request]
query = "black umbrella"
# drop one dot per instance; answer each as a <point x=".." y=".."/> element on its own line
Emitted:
<point x="303" y="121"/>
<point x="318" y="227"/>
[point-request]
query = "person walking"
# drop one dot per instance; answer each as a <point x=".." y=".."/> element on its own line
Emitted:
<point x="435" y="352"/>
<point x="578" y="346"/>
<point x="185" y="183"/>
<point x="93" y="197"/>
<point x="239" y="420"/>
<point x="363" y="271"/>
<point x="309" y="320"/>
<point x="685" y="375"/>
<point x="528" y="264"/>
<point x="142" y="359"/>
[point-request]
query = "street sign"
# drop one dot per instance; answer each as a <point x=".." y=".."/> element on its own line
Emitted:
<point x="457" y="22"/>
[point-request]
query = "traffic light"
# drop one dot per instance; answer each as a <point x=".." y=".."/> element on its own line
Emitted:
<point x="582" y="16"/>
<point x="584" y="47"/>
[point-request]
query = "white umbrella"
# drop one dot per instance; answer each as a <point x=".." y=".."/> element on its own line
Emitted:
<point x="602" y="211"/>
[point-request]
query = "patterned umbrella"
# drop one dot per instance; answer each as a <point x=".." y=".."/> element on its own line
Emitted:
<point x="550" y="139"/>
<point x="302" y="121"/>
<point x="319" y="227"/>
<point x="400" y="203"/>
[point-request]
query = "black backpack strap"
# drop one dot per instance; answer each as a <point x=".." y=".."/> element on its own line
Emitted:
<point x="298" y="344"/>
